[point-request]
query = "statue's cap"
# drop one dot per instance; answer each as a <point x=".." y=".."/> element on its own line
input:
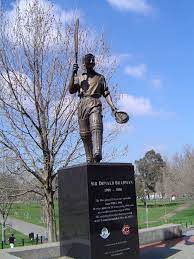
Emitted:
<point x="90" y="58"/>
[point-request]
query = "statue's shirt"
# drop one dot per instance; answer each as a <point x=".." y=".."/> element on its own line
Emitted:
<point x="90" y="88"/>
<point x="94" y="86"/>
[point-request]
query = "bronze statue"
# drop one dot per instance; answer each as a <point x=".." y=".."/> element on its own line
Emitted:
<point x="90" y="86"/>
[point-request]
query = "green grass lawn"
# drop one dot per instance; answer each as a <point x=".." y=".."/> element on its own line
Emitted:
<point x="160" y="209"/>
<point x="32" y="212"/>
<point x="19" y="237"/>
<point x="154" y="214"/>
<point x="185" y="217"/>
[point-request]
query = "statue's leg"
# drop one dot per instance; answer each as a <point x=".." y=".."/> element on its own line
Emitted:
<point x="86" y="138"/>
<point x="96" y="128"/>
<point x="88" y="147"/>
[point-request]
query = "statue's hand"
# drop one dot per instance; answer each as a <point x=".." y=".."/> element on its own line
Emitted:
<point x="75" y="68"/>
<point x="114" y="110"/>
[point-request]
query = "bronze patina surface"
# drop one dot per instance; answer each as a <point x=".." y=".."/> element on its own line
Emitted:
<point x="90" y="86"/>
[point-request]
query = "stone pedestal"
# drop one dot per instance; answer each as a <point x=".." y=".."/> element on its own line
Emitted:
<point x="97" y="211"/>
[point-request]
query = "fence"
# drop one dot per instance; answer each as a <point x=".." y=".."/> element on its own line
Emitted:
<point x="185" y="223"/>
<point x="23" y="242"/>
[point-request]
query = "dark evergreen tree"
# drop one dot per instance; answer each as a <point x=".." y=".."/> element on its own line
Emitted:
<point x="149" y="171"/>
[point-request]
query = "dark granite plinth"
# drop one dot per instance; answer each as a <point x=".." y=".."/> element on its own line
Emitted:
<point x="97" y="212"/>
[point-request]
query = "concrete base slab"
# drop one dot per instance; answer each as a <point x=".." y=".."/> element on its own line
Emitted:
<point x="147" y="236"/>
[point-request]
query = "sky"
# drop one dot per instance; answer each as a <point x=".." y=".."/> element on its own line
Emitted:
<point x="154" y="43"/>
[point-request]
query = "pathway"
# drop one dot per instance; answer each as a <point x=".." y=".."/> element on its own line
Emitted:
<point x="25" y="227"/>
<point x="174" y="212"/>
<point x="173" y="249"/>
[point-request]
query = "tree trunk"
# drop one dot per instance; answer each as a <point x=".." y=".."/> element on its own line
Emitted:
<point x="51" y="221"/>
<point x="44" y="212"/>
<point x="144" y="202"/>
<point x="155" y="198"/>
<point x="3" y="230"/>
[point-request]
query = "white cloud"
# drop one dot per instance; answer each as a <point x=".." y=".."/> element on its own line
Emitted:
<point x="137" y="106"/>
<point x="116" y="58"/>
<point x="156" y="83"/>
<point x="22" y="86"/>
<point x="141" y="106"/>
<point x="138" y="71"/>
<point x="63" y="15"/>
<point x="68" y="16"/>
<point x="138" y="6"/>
<point x="24" y="90"/>
<point x="24" y="14"/>
<point x="112" y="126"/>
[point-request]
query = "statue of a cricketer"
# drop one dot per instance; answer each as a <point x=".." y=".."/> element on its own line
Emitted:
<point x="90" y="86"/>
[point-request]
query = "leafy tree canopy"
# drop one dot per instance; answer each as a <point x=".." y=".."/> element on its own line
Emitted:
<point x="149" y="169"/>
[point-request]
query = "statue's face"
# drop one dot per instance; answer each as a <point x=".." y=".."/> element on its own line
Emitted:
<point x="89" y="62"/>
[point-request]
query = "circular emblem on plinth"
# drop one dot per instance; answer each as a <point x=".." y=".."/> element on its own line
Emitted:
<point x="126" y="229"/>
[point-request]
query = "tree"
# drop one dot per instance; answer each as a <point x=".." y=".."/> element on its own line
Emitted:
<point x="38" y="116"/>
<point x="149" y="168"/>
<point x="7" y="197"/>
<point x="8" y="188"/>
<point x="140" y="189"/>
<point x="180" y="174"/>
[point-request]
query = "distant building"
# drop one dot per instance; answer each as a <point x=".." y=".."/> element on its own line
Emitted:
<point x="173" y="197"/>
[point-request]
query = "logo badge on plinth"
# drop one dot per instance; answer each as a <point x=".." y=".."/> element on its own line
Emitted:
<point x="126" y="229"/>
<point x="104" y="233"/>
